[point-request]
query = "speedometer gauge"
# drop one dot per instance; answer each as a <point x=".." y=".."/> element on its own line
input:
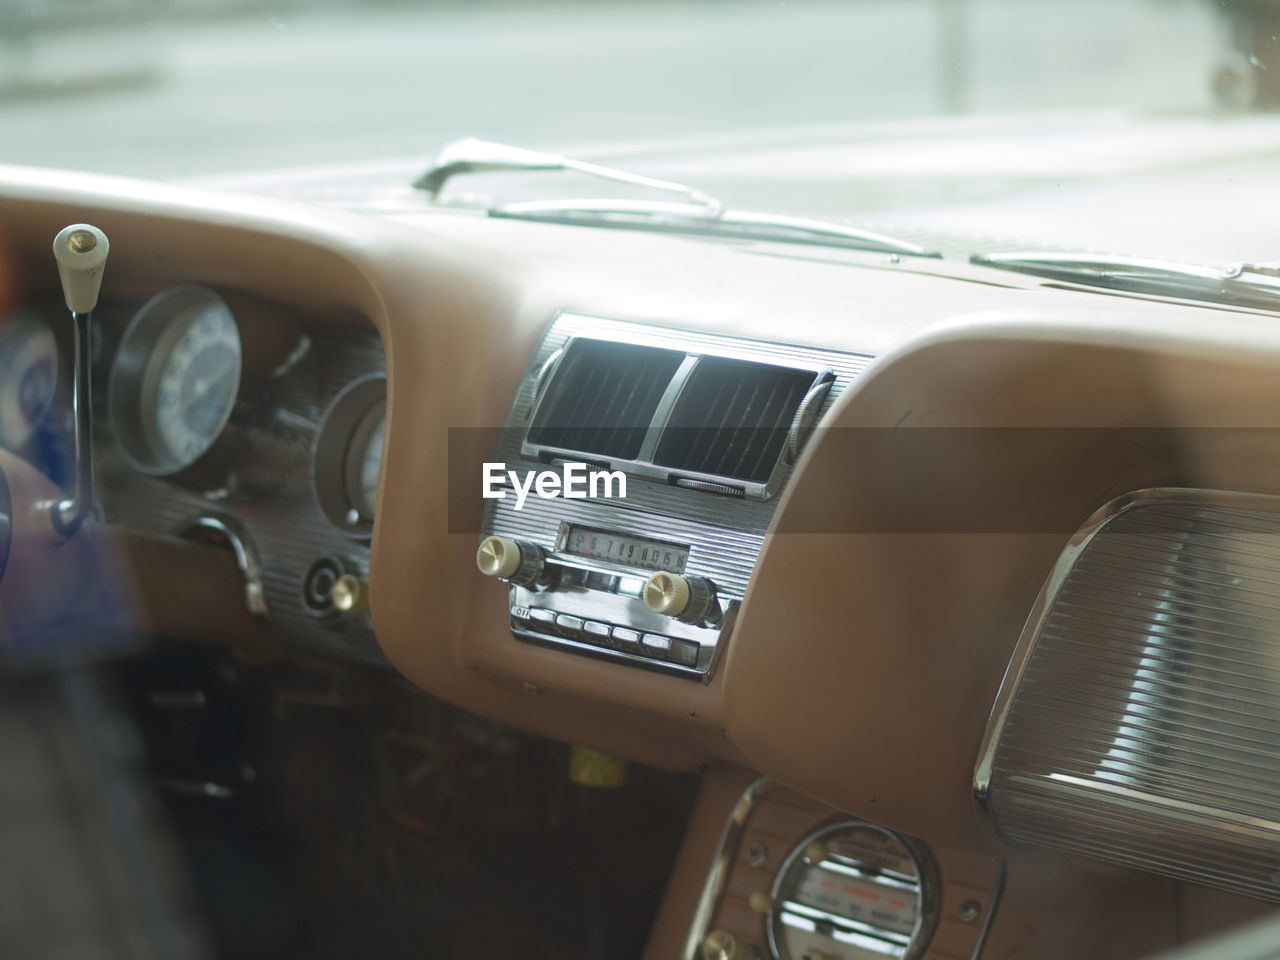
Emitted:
<point x="28" y="378"/>
<point x="175" y="379"/>
<point x="854" y="891"/>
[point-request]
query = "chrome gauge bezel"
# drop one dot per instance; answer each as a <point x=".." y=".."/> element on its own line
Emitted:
<point x="344" y="433"/>
<point x="926" y="872"/>
<point x="145" y="346"/>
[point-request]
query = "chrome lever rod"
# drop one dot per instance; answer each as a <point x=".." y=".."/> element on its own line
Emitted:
<point x="81" y="252"/>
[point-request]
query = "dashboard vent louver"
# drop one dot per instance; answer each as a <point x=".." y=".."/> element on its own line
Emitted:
<point x="732" y="419"/>
<point x="603" y="397"/>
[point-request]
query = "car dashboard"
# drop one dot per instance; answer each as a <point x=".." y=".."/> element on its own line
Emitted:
<point x="862" y="494"/>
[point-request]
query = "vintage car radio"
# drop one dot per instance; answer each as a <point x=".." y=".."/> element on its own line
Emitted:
<point x="635" y="479"/>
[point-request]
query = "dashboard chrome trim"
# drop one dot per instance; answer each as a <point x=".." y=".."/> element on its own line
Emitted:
<point x="1021" y="656"/>
<point x="1160" y="640"/>
<point x="993" y="903"/>
<point x="241" y="547"/>
<point x="718" y="872"/>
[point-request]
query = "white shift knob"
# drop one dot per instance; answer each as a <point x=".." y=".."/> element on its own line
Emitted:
<point x="81" y="252"/>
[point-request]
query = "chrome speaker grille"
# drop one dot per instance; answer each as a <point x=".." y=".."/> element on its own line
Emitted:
<point x="1139" y="721"/>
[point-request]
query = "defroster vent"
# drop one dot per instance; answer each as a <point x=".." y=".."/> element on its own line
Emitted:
<point x="603" y="397"/>
<point x="732" y="419"/>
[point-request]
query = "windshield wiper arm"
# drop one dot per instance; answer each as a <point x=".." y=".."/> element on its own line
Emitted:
<point x="701" y="214"/>
<point x="470" y="155"/>
<point x="693" y="220"/>
<point x="1242" y="284"/>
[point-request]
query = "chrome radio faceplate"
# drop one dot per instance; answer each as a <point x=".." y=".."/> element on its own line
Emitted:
<point x="578" y="568"/>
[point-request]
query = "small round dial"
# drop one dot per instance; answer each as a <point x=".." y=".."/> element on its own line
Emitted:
<point x="28" y="378"/>
<point x="175" y="379"/>
<point x="850" y="890"/>
<point x="348" y="455"/>
<point x="364" y="457"/>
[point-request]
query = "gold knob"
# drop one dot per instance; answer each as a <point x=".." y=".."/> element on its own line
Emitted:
<point x="760" y="902"/>
<point x="816" y="852"/>
<point x="498" y="557"/>
<point x="349" y="594"/>
<point x="666" y="593"/>
<point x="719" y="945"/>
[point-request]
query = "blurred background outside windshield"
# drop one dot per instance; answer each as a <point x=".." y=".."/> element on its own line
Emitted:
<point x="191" y="87"/>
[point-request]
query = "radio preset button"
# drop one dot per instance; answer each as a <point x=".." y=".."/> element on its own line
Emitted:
<point x="684" y="653"/>
<point x="597" y="630"/>
<point x="656" y="643"/>
<point x="569" y="624"/>
<point x="541" y="615"/>
<point x="624" y="635"/>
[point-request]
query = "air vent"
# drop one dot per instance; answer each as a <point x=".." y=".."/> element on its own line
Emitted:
<point x="603" y="397"/>
<point x="731" y="419"/>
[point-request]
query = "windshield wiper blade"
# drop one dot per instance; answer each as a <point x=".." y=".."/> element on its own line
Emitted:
<point x="1242" y="284"/>
<point x="700" y="214"/>
<point x="470" y="155"/>
<point x="694" y="220"/>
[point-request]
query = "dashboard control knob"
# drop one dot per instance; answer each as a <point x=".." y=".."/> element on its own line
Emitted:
<point x="350" y="594"/>
<point x="720" y="945"/>
<point x="81" y="252"/>
<point x="508" y="559"/>
<point x="498" y="557"/>
<point x="666" y="593"/>
<point x="691" y="599"/>
<point x="760" y="902"/>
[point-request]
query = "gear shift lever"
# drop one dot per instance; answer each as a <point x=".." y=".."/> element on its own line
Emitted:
<point x="81" y="252"/>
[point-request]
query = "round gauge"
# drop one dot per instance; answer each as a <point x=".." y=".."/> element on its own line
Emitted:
<point x="348" y="455"/>
<point x="852" y="890"/>
<point x="28" y="378"/>
<point x="174" y="379"/>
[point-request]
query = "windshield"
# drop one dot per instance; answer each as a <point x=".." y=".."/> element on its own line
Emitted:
<point x="829" y="108"/>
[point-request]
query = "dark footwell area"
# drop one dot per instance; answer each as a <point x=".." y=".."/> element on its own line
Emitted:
<point x="307" y="810"/>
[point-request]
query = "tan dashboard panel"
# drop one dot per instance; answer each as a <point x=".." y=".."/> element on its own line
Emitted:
<point x="913" y="621"/>
<point x="457" y="333"/>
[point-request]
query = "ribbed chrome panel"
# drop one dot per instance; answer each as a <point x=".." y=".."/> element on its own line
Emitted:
<point x="282" y="520"/>
<point x="1139" y="721"/>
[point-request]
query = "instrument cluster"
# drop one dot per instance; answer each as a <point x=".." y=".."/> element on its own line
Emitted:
<point x="225" y="418"/>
